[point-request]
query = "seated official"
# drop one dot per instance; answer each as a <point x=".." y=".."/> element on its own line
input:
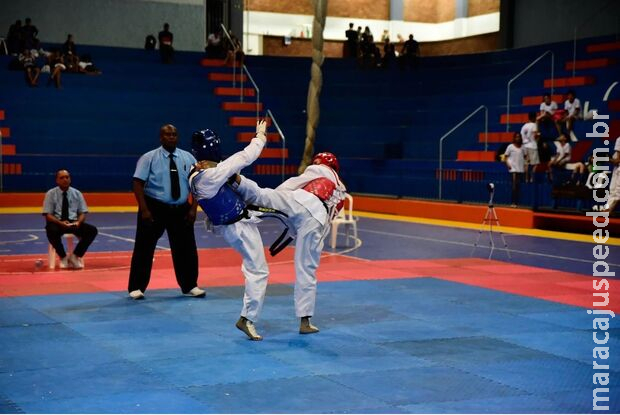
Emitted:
<point x="65" y="211"/>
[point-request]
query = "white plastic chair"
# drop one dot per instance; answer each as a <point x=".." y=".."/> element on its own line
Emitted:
<point x="51" y="252"/>
<point x="345" y="217"/>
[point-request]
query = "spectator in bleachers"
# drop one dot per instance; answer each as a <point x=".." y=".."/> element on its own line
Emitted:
<point x="614" y="187"/>
<point x="582" y="170"/>
<point x="166" y="50"/>
<point x="31" y="70"/>
<point x="367" y="47"/>
<point x="65" y="211"/>
<point x="70" y="53"/>
<point x="385" y="35"/>
<point x="352" y="42"/>
<point x="234" y="51"/>
<point x="150" y="42"/>
<point x="515" y="161"/>
<point x="547" y="112"/>
<point x="86" y="66"/>
<point x="410" y="53"/>
<point x="29" y="35"/>
<point x="57" y="67"/>
<point x="529" y="135"/>
<point x="572" y="108"/>
<point x="389" y="53"/>
<point x="561" y="157"/>
<point x="14" y="38"/>
<point x="215" y="45"/>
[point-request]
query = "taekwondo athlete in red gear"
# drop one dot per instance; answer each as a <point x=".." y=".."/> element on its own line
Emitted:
<point x="310" y="201"/>
<point x="215" y="193"/>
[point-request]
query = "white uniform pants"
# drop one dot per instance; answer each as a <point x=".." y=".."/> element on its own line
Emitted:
<point x="309" y="241"/>
<point x="245" y="238"/>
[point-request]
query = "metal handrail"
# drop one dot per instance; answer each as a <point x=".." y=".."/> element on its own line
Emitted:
<point x="234" y="54"/>
<point x="521" y="73"/>
<point x="245" y="68"/>
<point x="270" y="114"/>
<point x="443" y="137"/>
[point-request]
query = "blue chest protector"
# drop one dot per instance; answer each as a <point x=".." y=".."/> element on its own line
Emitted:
<point x="225" y="208"/>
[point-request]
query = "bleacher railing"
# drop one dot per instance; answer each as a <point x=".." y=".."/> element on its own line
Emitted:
<point x="283" y="139"/>
<point x="443" y="137"/>
<point x="517" y="76"/>
<point x="245" y="69"/>
<point x="234" y="54"/>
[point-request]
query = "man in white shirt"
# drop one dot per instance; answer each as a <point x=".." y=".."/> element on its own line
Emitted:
<point x="310" y="201"/>
<point x="614" y="187"/>
<point x="547" y="111"/>
<point x="529" y="135"/>
<point x="515" y="161"/>
<point x="572" y="106"/>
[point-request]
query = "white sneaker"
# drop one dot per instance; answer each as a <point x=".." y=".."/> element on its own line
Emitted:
<point x="64" y="263"/>
<point x="137" y="295"/>
<point x="76" y="262"/>
<point x="195" y="292"/>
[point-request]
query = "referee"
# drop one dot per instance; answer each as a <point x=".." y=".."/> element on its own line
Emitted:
<point x="161" y="187"/>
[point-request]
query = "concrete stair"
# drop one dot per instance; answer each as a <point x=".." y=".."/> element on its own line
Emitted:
<point x="245" y="137"/>
<point x="475" y="155"/>
<point x="229" y="91"/>
<point x="241" y="106"/>
<point x="590" y="63"/>
<point x="570" y="81"/>
<point x="496" y="137"/>
<point x="537" y="99"/>
<point x="603" y="47"/>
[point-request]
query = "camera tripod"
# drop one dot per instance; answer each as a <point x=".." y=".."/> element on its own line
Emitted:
<point x="490" y="219"/>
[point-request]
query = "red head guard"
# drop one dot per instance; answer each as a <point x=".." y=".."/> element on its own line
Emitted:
<point x="328" y="159"/>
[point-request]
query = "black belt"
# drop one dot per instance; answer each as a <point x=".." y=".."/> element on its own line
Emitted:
<point x="280" y="243"/>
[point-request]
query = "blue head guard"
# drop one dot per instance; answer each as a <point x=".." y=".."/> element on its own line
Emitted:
<point x="206" y="146"/>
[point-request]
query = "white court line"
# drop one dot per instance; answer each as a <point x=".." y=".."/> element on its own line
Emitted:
<point x="30" y="239"/>
<point x="481" y="246"/>
<point x="109" y="235"/>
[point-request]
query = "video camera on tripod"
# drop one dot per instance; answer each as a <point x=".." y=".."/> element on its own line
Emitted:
<point x="491" y="189"/>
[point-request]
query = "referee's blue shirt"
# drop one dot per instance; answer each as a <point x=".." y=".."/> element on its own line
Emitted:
<point x="154" y="169"/>
<point x="53" y="203"/>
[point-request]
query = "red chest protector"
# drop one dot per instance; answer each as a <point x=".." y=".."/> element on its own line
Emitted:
<point x="323" y="188"/>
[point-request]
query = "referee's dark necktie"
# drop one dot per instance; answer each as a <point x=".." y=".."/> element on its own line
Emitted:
<point x="64" y="213"/>
<point x="174" y="179"/>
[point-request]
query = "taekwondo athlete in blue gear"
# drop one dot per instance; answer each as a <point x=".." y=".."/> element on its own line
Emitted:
<point x="212" y="187"/>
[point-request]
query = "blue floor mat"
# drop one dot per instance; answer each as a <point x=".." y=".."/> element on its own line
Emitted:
<point x="385" y="346"/>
